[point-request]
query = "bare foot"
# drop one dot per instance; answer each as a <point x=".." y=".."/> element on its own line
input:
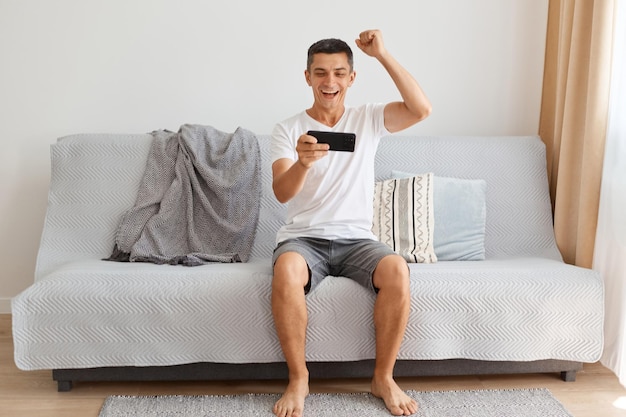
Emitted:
<point x="291" y="404"/>
<point x="396" y="400"/>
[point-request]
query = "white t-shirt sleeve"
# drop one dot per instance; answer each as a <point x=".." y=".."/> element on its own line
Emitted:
<point x="283" y="145"/>
<point x="377" y="114"/>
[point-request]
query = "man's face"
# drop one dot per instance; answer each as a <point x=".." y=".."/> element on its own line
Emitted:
<point x="330" y="76"/>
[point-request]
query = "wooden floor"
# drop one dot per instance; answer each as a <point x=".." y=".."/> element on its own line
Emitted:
<point x="596" y="392"/>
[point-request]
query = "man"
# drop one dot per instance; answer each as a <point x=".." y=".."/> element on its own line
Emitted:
<point x="329" y="218"/>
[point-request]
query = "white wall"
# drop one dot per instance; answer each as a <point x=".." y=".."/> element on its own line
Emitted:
<point x="71" y="66"/>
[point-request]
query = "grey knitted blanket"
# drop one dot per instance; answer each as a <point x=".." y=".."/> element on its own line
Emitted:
<point x="198" y="201"/>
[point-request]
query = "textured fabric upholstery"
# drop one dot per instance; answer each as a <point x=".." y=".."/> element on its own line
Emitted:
<point x="520" y="304"/>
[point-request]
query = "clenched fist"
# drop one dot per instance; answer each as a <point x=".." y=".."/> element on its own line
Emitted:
<point x="371" y="43"/>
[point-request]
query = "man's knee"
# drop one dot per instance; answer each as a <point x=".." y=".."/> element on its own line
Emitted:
<point x="392" y="272"/>
<point x="290" y="268"/>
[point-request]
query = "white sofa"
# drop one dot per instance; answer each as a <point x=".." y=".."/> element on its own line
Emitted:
<point x="521" y="309"/>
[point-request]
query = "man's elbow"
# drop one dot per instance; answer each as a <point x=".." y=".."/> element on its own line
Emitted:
<point x="417" y="115"/>
<point x="423" y="112"/>
<point x="280" y="196"/>
<point x="417" y="111"/>
<point x="282" y="200"/>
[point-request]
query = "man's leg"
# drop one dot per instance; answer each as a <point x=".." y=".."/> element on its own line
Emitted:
<point x="291" y="275"/>
<point x="391" y="314"/>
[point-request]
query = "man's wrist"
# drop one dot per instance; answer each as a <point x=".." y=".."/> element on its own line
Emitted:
<point x="303" y="165"/>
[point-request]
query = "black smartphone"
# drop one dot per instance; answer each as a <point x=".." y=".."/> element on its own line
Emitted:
<point x="338" y="141"/>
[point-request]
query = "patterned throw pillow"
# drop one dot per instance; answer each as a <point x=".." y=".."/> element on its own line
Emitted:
<point x="460" y="211"/>
<point x="403" y="216"/>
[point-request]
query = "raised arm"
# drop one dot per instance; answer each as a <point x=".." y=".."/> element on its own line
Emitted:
<point x="414" y="106"/>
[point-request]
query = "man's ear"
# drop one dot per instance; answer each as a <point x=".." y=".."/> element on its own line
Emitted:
<point x="352" y="77"/>
<point x="307" y="77"/>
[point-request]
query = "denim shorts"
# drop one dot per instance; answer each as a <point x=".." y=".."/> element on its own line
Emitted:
<point x="351" y="258"/>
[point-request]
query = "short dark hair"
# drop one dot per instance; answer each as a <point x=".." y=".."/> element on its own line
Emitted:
<point x="329" y="46"/>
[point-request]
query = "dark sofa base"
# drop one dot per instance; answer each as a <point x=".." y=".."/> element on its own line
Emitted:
<point x="260" y="371"/>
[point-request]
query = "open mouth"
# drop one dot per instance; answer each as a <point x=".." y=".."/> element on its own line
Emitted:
<point x="330" y="94"/>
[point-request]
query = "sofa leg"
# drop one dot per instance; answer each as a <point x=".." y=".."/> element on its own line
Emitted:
<point x="568" y="376"/>
<point x="64" y="386"/>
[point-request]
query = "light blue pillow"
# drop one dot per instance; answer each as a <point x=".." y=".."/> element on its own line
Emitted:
<point x="460" y="210"/>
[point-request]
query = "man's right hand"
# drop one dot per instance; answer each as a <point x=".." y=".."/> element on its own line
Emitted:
<point x="310" y="151"/>
<point x="289" y="176"/>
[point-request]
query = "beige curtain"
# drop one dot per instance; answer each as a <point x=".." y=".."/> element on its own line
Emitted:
<point x="574" y="117"/>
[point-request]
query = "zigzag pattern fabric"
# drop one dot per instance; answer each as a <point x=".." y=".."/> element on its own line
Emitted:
<point x="198" y="201"/>
<point x="521" y="304"/>
<point x="403" y="217"/>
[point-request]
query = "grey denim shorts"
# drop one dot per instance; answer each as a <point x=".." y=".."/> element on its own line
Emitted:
<point x="351" y="258"/>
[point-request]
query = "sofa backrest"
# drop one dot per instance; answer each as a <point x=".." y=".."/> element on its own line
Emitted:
<point x="519" y="212"/>
<point x="95" y="178"/>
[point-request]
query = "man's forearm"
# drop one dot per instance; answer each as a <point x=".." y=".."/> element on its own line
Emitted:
<point x="413" y="97"/>
<point x="288" y="179"/>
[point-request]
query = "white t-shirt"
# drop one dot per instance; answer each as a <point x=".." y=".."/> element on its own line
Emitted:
<point x="336" y="200"/>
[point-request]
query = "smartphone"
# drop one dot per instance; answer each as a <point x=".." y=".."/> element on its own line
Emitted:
<point x="338" y="141"/>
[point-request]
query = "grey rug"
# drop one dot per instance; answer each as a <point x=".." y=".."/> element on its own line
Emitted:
<point x="478" y="403"/>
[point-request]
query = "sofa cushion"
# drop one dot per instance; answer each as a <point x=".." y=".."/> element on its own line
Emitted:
<point x="93" y="313"/>
<point x="460" y="212"/>
<point x="403" y="216"/>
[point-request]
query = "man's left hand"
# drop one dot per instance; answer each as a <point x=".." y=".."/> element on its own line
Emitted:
<point x="371" y="42"/>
